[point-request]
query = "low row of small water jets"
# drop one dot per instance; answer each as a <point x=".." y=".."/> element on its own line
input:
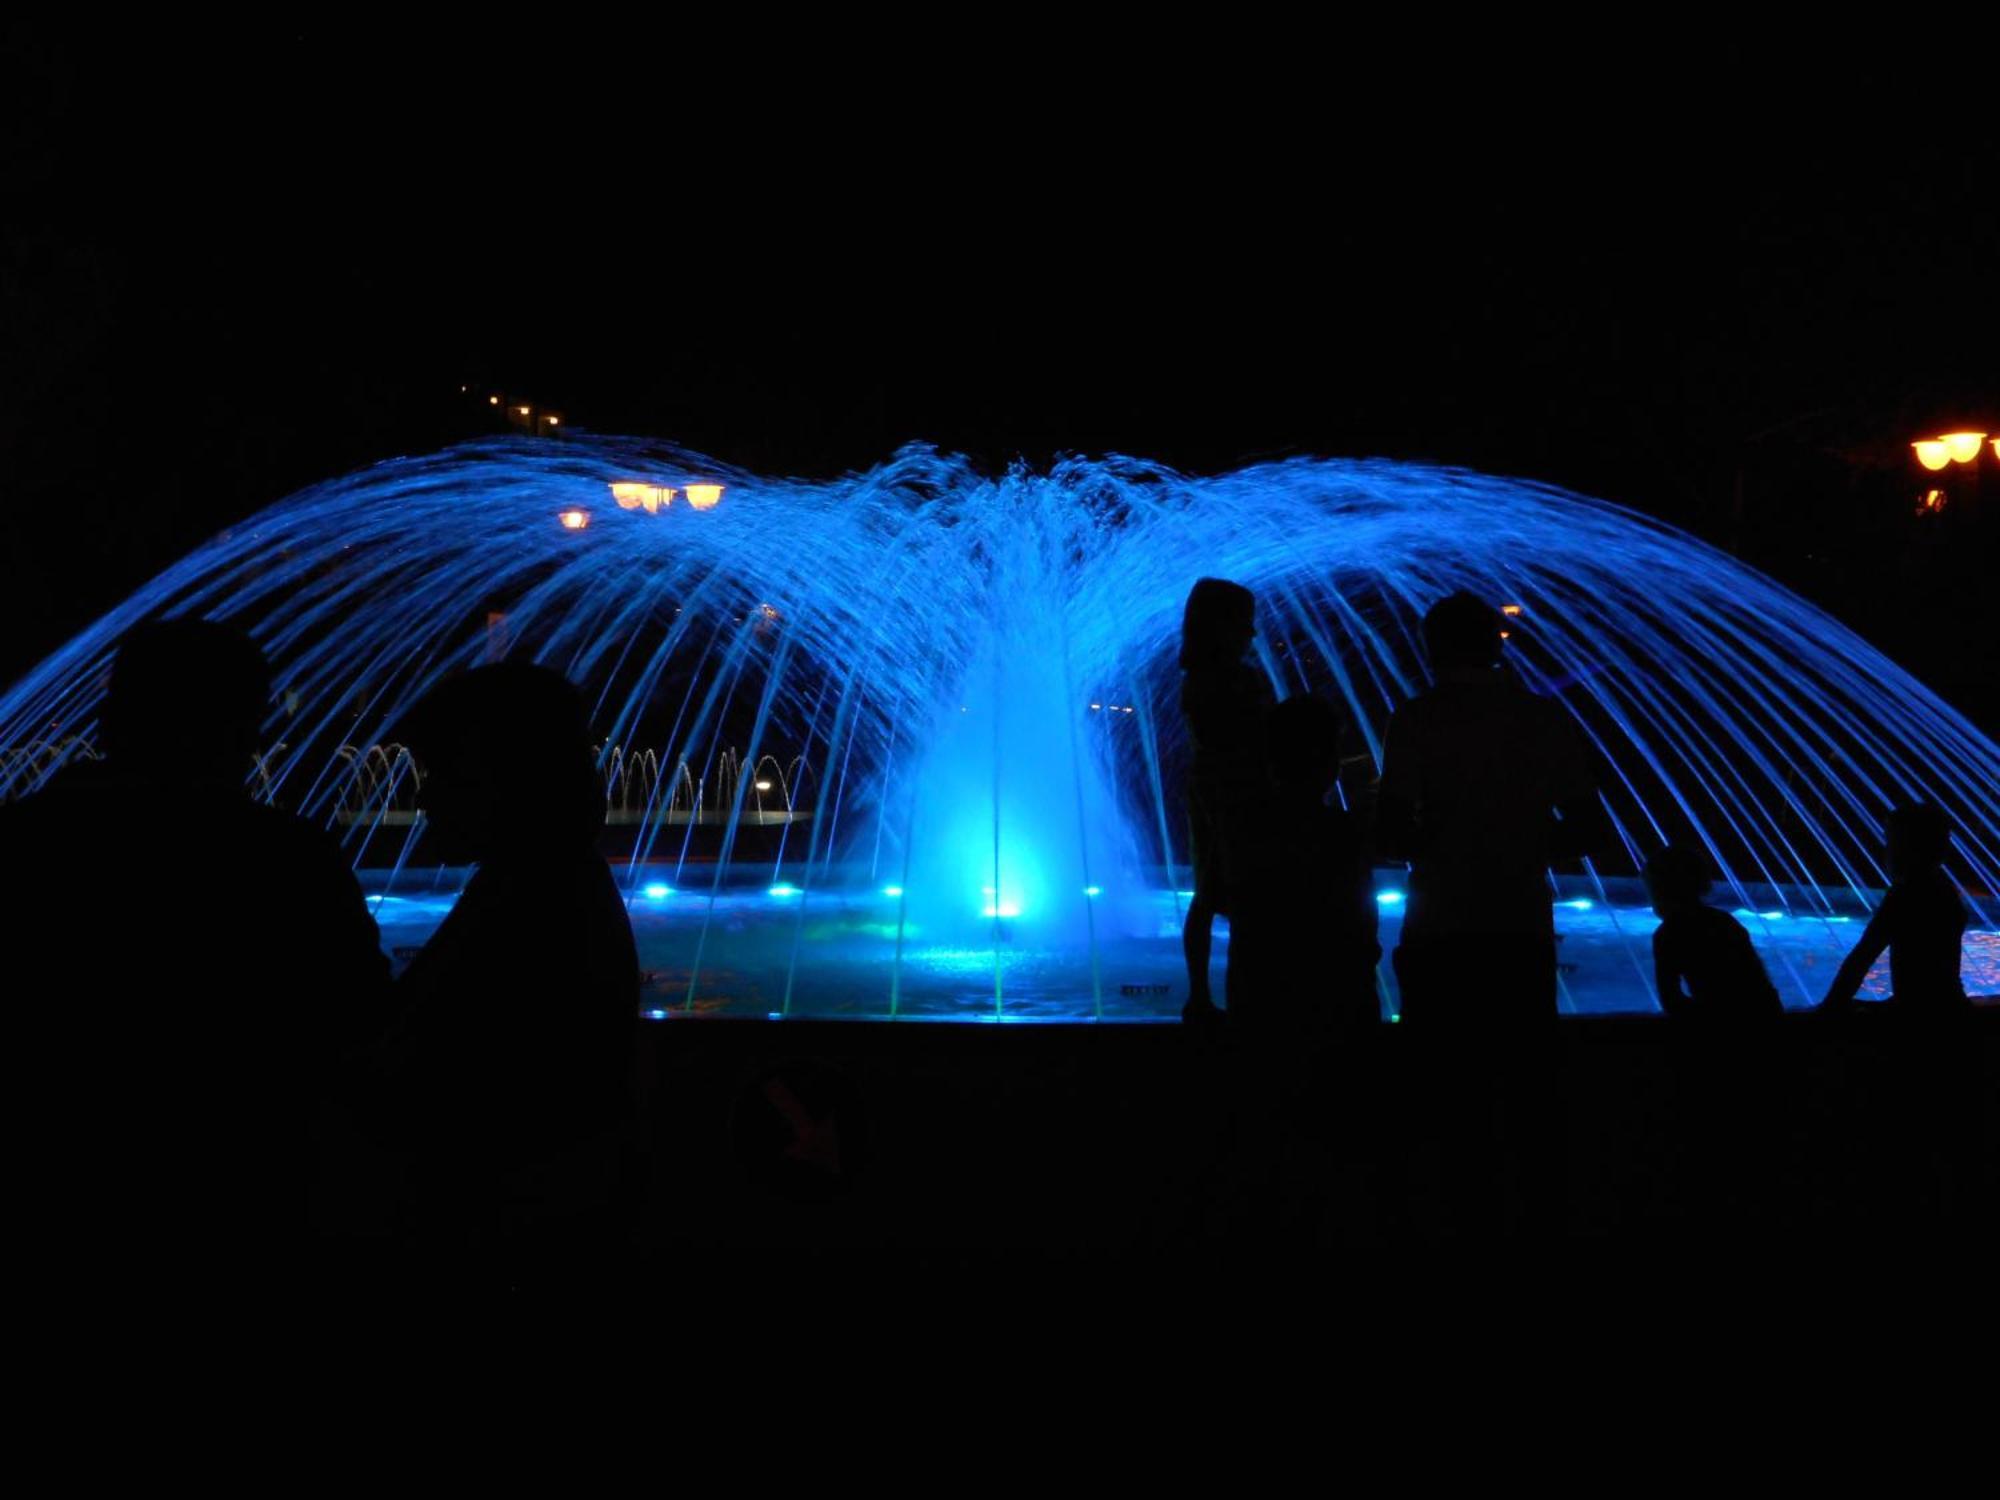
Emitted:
<point x="385" y="784"/>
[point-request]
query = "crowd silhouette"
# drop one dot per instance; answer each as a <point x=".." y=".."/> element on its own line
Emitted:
<point x="490" y="1099"/>
<point x="240" y="1066"/>
<point x="1485" y="788"/>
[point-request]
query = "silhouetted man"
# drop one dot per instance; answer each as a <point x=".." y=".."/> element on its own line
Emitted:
<point x="189" y="964"/>
<point x="1483" y="786"/>
<point x="508" y="1078"/>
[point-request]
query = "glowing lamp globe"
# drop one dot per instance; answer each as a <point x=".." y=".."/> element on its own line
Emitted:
<point x="1963" y="446"/>
<point x="1933" y="453"/>
<point x="646" y="497"/>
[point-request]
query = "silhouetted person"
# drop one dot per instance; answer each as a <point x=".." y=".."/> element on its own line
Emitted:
<point x="1713" y="985"/>
<point x="199" y="960"/>
<point x="1483" y="785"/>
<point x="1225" y="701"/>
<point x="1702" y="958"/>
<point x="1304" y="1013"/>
<point x="1922" y="1077"/>
<point x="1302" y="946"/>
<point x="1921" y="921"/>
<point x="508" y="1077"/>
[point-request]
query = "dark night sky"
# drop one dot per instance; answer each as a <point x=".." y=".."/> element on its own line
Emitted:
<point x="259" y="264"/>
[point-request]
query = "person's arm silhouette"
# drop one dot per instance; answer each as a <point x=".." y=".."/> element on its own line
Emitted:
<point x="1861" y="958"/>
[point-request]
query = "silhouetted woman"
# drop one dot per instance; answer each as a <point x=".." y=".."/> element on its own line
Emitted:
<point x="1226" y="702"/>
<point x="508" y="1076"/>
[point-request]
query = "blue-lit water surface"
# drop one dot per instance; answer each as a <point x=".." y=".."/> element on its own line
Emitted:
<point x="761" y="961"/>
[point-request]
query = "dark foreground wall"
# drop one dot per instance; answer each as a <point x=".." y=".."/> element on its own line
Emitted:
<point x="939" y="1142"/>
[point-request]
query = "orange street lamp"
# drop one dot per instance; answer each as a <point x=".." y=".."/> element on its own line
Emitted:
<point x="704" y="496"/>
<point x="1933" y="453"/>
<point x="1963" y="446"/>
<point x="647" y="497"/>
<point x="574" y="520"/>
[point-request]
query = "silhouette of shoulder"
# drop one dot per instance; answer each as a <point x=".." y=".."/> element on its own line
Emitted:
<point x="1712" y="952"/>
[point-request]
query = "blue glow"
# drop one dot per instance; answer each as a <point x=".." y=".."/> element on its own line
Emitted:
<point x="656" y="1015"/>
<point x="1004" y="910"/>
<point x="1770" y="916"/>
<point x="658" y="890"/>
<point x="1581" y="903"/>
<point x="911" y="653"/>
<point x="1093" y="891"/>
<point x="892" y="890"/>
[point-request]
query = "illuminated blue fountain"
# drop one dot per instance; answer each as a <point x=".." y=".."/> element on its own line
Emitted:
<point x="907" y="742"/>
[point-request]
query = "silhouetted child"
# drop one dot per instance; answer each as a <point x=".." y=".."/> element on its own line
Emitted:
<point x="1702" y="958"/>
<point x="1713" y="985"/>
<point x="1225" y="702"/>
<point x="1921" y="921"/>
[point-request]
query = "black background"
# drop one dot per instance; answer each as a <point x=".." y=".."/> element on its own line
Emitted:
<point x="1724" y="284"/>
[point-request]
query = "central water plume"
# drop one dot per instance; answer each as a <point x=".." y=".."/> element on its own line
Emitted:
<point x="939" y="709"/>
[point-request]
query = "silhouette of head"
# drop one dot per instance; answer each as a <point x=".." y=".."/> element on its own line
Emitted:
<point x="1305" y="744"/>
<point x="1919" y="838"/>
<point x="1218" y="625"/>
<point x="507" y="763"/>
<point x="187" y="702"/>
<point x="1462" y="633"/>
<point x="1676" y="877"/>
